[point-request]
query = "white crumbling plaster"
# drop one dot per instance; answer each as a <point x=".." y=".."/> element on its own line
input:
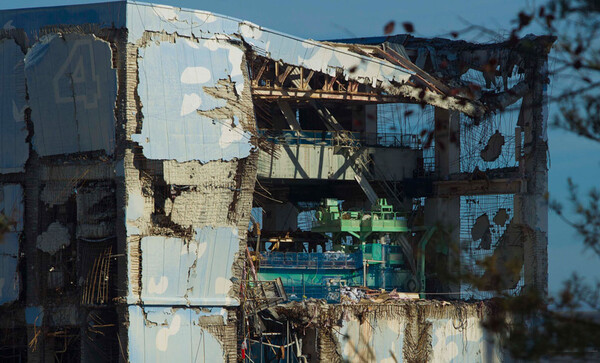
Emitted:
<point x="166" y="334"/>
<point x="195" y="272"/>
<point x="183" y="73"/>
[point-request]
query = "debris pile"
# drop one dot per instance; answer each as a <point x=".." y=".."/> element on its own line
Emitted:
<point x="360" y="294"/>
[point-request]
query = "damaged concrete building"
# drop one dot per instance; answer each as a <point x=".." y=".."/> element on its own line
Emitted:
<point x="185" y="186"/>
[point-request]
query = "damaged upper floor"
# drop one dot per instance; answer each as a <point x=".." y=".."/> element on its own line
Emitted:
<point x="72" y="58"/>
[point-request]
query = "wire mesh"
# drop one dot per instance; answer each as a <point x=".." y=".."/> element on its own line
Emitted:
<point x="474" y="251"/>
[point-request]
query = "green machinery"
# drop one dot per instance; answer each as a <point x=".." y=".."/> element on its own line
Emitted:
<point x="370" y="248"/>
<point x="359" y="224"/>
<point x="387" y="256"/>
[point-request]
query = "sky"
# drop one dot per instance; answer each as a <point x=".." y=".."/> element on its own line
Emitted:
<point x="570" y="156"/>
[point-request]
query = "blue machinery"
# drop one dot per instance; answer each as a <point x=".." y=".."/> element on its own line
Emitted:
<point x="370" y="249"/>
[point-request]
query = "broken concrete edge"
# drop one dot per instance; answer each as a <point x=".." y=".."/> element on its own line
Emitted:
<point x="200" y="329"/>
<point x="413" y="322"/>
<point x="228" y="93"/>
<point x="134" y="208"/>
<point x="168" y="178"/>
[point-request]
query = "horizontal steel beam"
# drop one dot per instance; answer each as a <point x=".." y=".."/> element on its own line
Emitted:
<point x="268" y="93"/>
<point x="446" y="188"/>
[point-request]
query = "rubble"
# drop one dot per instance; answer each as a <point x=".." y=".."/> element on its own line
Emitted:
<point x="352" y="295"/>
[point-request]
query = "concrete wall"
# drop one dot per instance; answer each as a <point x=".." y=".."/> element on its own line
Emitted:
<point x="395" y="331"/>
<point x="189" y="171"/>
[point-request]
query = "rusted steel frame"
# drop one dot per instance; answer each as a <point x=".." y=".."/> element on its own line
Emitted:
<point x="358" y="50"/>
<point x="260" y="73"/>
<point x="104" y="276"/>
<point x="282" y="77"/>
<point x="98" y="278"/>
<point x="329" y="81"/>
<point x="91" y="282"/>
<point x="107" y="253"/>
<point x="305" y="83"/>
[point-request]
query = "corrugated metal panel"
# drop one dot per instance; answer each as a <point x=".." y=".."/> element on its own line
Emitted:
<point x="14" y="150"/>
<point x="195" y="272"/>
<point x="386" y="341"/>
<point x="173" y="78"/>
<point x="72" y="90"/>
<point x="158" y="334"/>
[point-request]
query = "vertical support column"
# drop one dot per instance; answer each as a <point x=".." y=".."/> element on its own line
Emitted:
<point x="32" y="286"/>
<point x="531" y="207"/>
<point x="444" y="212"/>
<point x="42" y="350"/>
<point x="447" y="142"/>
<point x="370" y="119"/>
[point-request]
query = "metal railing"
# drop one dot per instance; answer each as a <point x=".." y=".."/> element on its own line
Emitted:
<point x="332" y="138"/>
<point x="312" y="260"/>
<point x="362" y="218"/>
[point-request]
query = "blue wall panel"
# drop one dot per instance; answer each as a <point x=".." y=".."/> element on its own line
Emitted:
<point x="159" y="334"/>
<point x="72" y="88"/>
<point x="195" y="272"/>
<point x="14" y="150"/>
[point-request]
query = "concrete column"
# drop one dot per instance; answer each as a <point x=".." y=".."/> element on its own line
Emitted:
<point x="42" y="351"/>
<point x="444" y="212"/>
<point x="531" y="207"/>
<point x="447" y="142"/>
<point x="370" y="119"/>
